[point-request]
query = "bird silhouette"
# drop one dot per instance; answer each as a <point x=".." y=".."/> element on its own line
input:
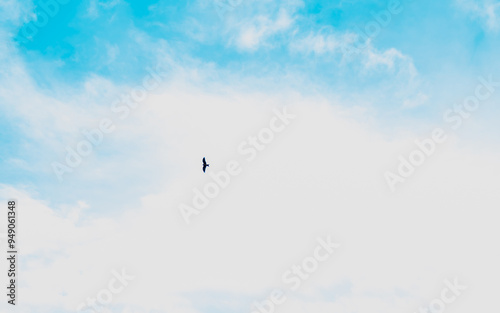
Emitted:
<point x="205" y="165"/>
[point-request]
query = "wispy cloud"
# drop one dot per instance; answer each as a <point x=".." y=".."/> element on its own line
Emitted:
<point x="251" y="32"/>
<point x="486" y="10"/>
<point x="95" y="7"/>
<point x="15" y="12"/>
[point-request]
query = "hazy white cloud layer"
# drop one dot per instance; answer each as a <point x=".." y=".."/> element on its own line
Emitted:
<point x="322" y="175"/>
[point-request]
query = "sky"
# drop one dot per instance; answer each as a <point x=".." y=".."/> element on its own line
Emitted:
<point x="372" y="123"/>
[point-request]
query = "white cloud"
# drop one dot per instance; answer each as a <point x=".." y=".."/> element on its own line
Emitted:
<point x="349" y="47"/>
<point x="386" y="58"/>
<point x="346" y="48"/>
<point x="324" y="42"/>
<point x="251" y="26"/>
<point x="253" y="33"/>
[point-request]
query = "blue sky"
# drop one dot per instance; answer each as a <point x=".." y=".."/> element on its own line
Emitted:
<point x="226" y="64"/>
<point x="194" y="32"/>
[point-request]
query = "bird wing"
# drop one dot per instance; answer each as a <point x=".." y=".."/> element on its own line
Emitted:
<point x="204" y="162"/>
<point x="204" y="167"/>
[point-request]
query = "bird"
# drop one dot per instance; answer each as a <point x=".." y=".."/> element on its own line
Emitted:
<point x="205" y="165"/>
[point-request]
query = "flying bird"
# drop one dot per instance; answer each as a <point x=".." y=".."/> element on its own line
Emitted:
<point x="205" y="165"/>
